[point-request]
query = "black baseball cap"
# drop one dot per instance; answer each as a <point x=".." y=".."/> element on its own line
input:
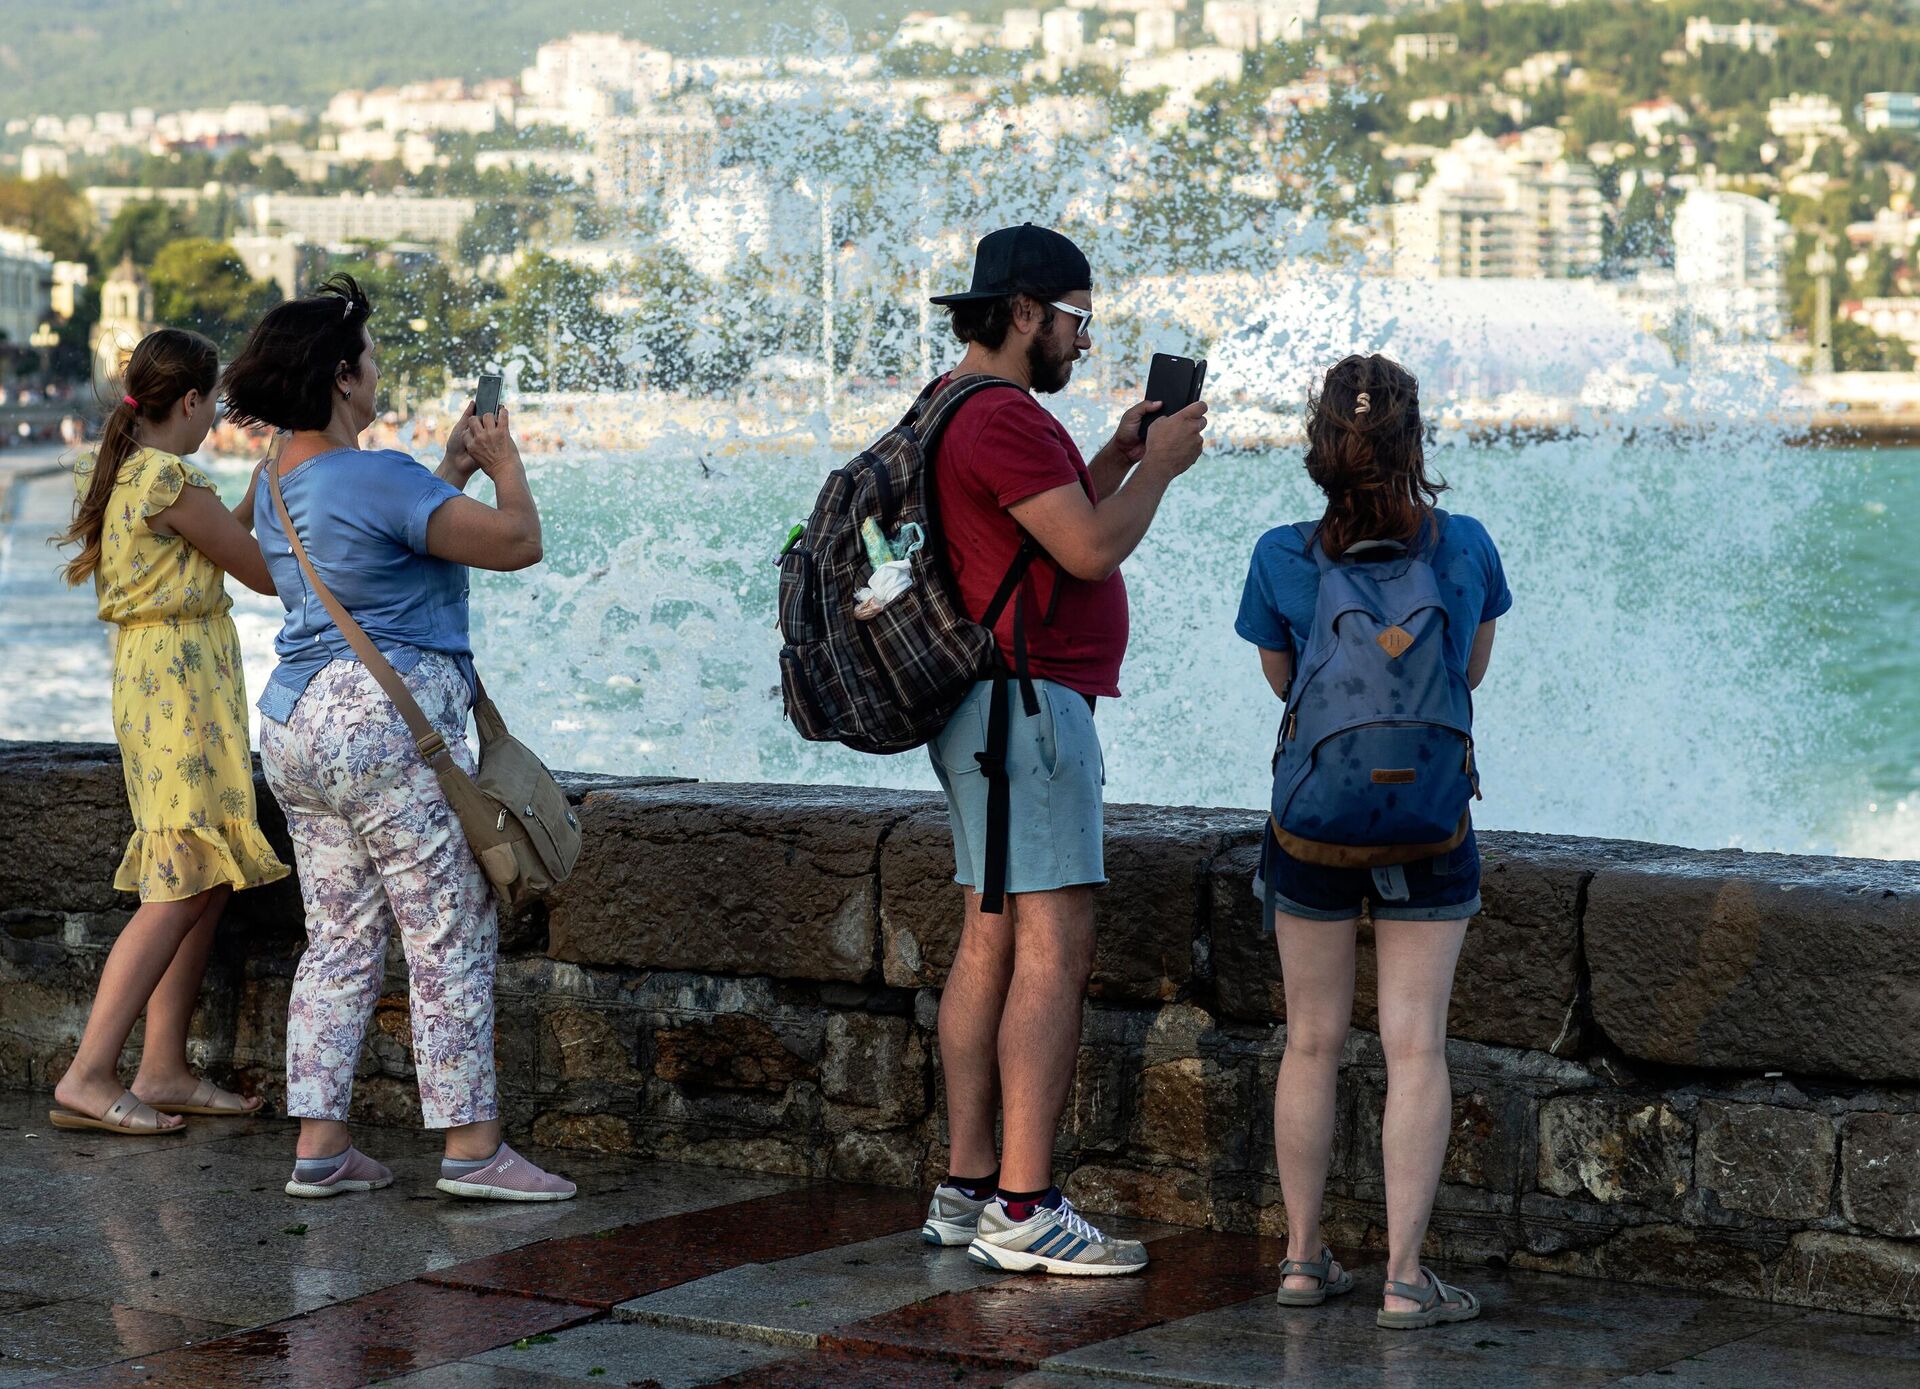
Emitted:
<point x="1014" y="260"/>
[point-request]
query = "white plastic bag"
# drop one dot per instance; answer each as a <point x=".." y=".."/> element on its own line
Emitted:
<point x="889" y="581"/>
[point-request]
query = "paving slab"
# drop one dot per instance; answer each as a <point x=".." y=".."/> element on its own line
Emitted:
<point x="1814" y="1348"/>
<point x="1537" y="1329"/>
<point x="614" y="1266"/>
<point x="76" y="1333"/>
<point x="1019" y="1323"/>
<point x="412" y="1326"/>
<point x="793" y="1301"/>
<point x="652" y="1355"/>
<point x="245" y="1293"/>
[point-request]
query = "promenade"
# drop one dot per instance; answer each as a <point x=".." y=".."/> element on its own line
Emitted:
<point x="181" y="1264"/>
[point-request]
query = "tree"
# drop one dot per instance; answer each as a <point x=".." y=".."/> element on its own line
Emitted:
<point x="1856" y="347"/>
<point x="203" y="285"/>
<point x="552" y="321"/>
<point x="140" y="229"/>
<point x="49" y="209"/>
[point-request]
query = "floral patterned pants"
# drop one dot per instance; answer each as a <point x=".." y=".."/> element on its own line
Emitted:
<point x="377" y="844"/>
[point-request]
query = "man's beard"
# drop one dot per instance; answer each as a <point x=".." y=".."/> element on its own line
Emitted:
<point x="1048" y="372"/>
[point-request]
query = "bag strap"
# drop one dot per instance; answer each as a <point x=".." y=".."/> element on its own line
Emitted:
<point x="433" y="748"/>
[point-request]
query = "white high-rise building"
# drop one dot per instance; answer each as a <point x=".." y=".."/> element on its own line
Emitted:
<point x="579" y="79"/>
<point x="1020" y="30"/>
<point x="1730" y="261"/>
<point x="1251" y="24"/>
<point x="1063" y="34"/>
<point x="1155" y="31"/>
<point x="1489" y="211"/>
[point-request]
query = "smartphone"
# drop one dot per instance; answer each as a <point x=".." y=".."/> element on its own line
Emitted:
<point x="486" y="397"/>
<point x="1176" y="382"/>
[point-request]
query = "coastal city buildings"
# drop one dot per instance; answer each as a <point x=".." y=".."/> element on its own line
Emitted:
<point x="1400" y="139"/>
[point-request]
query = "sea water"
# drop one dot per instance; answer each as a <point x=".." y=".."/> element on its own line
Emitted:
<point x="1714" y="641"/>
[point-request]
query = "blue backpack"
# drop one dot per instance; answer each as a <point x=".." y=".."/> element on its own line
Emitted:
<point x="1375" y="764"/>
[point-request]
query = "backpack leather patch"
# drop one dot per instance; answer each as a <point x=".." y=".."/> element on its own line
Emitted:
<point x="1394" y="641"/>
<point x="1395" y="776"/>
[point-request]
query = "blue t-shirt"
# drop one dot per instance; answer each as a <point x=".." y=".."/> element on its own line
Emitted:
<point x="362" y="515"/>
<point x="1283" y="585"/>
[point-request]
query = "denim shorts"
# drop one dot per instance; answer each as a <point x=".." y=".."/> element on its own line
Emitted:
<point x="1055" y="774"/>
<point x="1445" y="887"/>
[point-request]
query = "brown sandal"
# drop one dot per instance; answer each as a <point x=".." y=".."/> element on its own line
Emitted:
<point x="208" y="1100"/>
<point x="129" y="1116"/>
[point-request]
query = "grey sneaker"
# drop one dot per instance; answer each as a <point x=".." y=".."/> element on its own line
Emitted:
<point x="1054" y="1239"/>
<point x="952" y="1216"/>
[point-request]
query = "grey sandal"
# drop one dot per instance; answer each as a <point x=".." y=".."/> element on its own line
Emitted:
<point x="1438" y="1304"/>
<point x="1319" y="1268"/>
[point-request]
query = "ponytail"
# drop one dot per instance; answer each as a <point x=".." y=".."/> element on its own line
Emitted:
<point x="164" y="367"/>
<point x="1366" y="450"/>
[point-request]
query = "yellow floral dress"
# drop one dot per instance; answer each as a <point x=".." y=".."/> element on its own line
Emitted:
<point x="179" y="696"/>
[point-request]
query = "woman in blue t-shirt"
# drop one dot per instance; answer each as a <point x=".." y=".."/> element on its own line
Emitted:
<point x="1365" y="451"/>
<point x="376" y="843"/>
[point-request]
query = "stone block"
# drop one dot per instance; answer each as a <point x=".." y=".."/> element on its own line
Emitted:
<point x="66" y="824"/>
<point x="1517" y="983"/>
<point x="1851" y="1274"/>
<point x="1173" y="1110"/>
<point x="1675" y="1256"/>
<point x="1175" y="1196"/>
<point x="587" y="1045"/>
<point x="1487" y="1140"/>
<point x="731" y="1051"/>
<point x="878" y="1065"/>
<point x="1758" y="962"/>
<point x="593" y="1133"/>
<point x="775" y="880"/>
<point x="1615" y="1149"/>
<point x="1106" y="1079"/>
<point x="1765" y="1160"/>
<point x="887" y="1159"/>
<point x="1880" y="1173"/>
<point x="1147" y="918"/>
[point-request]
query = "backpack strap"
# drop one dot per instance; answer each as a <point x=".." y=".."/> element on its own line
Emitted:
<point x="993" y="759"/>
<point x="928" y="419"/>
<point x="1309" y="533"/>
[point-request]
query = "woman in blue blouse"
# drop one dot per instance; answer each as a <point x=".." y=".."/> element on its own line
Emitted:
<point x="375" y="840"/>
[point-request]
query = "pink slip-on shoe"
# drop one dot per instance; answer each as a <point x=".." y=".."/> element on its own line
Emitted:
<point x="356" y="1172"/>
<point x="509" y="1177"/>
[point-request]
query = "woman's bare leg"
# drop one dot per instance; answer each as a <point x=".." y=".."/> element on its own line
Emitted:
<point x="1316" y="963"/>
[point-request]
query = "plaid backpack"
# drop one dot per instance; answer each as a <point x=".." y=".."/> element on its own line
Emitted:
<point x="890" y="683"/>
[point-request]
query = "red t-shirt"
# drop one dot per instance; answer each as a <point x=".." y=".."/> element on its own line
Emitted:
<point x="999" y="449"/>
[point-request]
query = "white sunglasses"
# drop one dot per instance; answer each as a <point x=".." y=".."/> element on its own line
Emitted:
<point x="1084" y="315"/>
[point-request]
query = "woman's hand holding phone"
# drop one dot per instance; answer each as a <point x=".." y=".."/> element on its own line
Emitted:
<point x="490" y="442"/>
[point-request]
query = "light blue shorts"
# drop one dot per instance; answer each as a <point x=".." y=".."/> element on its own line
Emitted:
<point x="1055" y="774"/>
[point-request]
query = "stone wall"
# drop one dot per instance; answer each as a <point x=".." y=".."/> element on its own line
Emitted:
<point x="1700" y="1069"/>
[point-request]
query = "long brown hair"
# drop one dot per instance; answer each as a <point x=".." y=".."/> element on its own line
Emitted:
<point x="1366" y="449"/>
<point x="166" y="364"/>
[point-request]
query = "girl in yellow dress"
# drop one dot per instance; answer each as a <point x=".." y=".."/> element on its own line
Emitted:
<point x="155" y="539"/>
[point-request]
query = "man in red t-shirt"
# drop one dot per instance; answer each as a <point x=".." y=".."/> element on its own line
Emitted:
<point x="1005" y="472"/>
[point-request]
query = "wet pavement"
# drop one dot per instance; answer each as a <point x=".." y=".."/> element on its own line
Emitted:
<point x="179" y="1262"/>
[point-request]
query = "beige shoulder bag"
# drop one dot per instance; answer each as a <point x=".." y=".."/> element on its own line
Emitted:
<point x="515" y="815"/>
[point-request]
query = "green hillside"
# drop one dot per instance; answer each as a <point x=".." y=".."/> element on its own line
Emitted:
<point x="65" y="56"/>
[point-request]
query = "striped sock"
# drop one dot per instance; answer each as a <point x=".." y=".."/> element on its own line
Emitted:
<point x="1020" y="1205"/>
<point x="974" y="1188"/>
